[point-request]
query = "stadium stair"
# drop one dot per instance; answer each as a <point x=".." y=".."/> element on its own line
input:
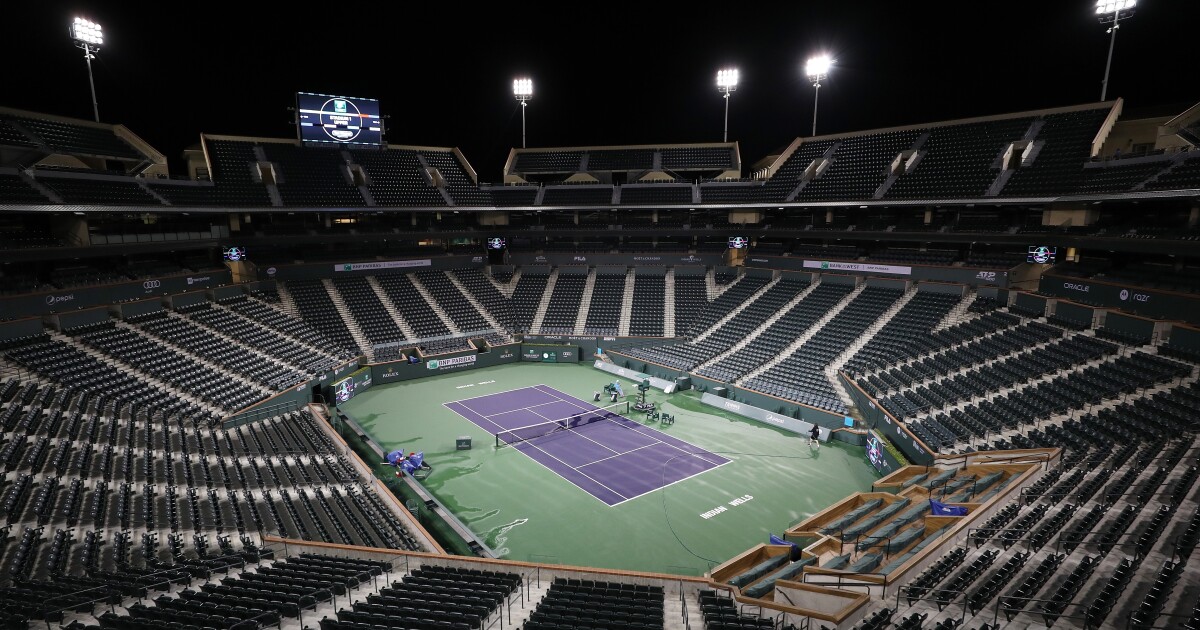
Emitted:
<point x="390" y="307"/>
<point x="960" y="314"/>
<point x="505" y="289"/>
<point x="433" y="303"/>
<point x="754" y="334"/>
<point x="1141" y="394"/>
<point x="150" y="379"/>
<point x="544" y="304"/>
<point x="627" y="302"/>
<point x="585" y="301"/>
<point x="275" y="332"/>
<point x="737" y="310"/>
<point x="483" y="312"/>
<point x="808" y="334"/>
<point x="352" y="325"/>
<point x="835" y="366"/>
<point x="713" y="290"/>
<point x="975" y="366"/>
<point x="1017" y="387"/>
<point x="669" y="304"/>
<point x="287" y="303"/>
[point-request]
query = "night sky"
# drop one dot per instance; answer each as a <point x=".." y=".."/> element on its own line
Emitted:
<point x="604" y="74"/>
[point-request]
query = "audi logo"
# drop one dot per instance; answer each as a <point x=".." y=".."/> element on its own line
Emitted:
<point x="151" y="284"/>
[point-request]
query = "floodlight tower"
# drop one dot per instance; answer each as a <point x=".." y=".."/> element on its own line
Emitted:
<point x="817" y="70"/>
<point x="89" y="36"/>
<point x="727" y="81"/>
<point x="523" y="90"/>
<point x="1112" y="12"/>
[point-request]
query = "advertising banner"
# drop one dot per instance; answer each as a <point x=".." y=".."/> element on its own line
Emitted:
<point x="317" y="271"/>
<point x="787" y="423"/>
<point x="1124" y="297"/>
<point x="861" y="267"/>
<point x="84" y="297"/>
<point x="396" y="371"/>
<point x="705" y="260"/>
<point x="973" y="276"/>
<point x="383" y="264"/>
<point x="879" y="420"/>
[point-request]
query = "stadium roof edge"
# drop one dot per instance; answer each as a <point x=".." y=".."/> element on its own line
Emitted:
<point x="664" y="145"/>
<point x="12" y="111"/>
<point x="118" y="129"/>
<point x="297" y="142"/>
<point x="1190" y="114"/>
<point x="966" y="121"/>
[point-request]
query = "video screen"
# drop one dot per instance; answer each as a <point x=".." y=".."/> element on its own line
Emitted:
<point x="875" y="453"/>
<point x="738" y="242"/>
<point x="1042" y="255"/>
<point x="338" y="119"/>
<point x="496" y="242"/>
<point x="234" y="253"/>
<point x="343" y="390"/>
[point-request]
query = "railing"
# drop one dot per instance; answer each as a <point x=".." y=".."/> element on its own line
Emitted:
<point x="1010" y="611"/>
<point x="269" y="411"/>
<point x="842" y="581"/>
<point x="163" y="585"/>
<point x="940" y="600"/>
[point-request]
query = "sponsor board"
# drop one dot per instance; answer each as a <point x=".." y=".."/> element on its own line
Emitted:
<point x="383" y="264"/>
<point x="833" y="265"/>
<point x="442" y="364"/>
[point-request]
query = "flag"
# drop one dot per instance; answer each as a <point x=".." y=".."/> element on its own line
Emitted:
<point x="941" y="509"/>
<point x="776" y="540"/>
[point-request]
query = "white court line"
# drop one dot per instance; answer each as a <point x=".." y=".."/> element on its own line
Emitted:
<point x="572" y="468"/>
<point x="604" y="459"/>
<point x="574" y="403"/>
<point x="676" y="481"/>
<point x="636" y="429"/>
<point x="552" y="402"/>
<point x="507" y="391"/>
<point x="485" y="418"/>
<point x="580" y="434"/>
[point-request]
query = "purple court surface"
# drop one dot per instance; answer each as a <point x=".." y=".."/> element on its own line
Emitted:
<point x="614" y="460"/>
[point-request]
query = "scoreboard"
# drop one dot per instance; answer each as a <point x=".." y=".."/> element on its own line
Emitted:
<point x="338" y="119"/>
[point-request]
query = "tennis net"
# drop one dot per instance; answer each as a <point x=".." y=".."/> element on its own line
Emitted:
<point x="508" y="437"/>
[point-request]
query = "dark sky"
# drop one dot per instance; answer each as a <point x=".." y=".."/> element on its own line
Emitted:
<point x="604" y="74"/>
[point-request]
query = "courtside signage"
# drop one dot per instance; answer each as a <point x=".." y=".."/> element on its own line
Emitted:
<point x="441" y="364"/>
<point x="386" y="264"/>
<point x="832" y="265"/>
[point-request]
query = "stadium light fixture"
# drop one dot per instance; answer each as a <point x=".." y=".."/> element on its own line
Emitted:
<point x="89" y="36"/>
<point x="817" y="70"/>
<point x="727" y="81"/>
<point x="1112" y="12"/>
<point x="523" y="90"/>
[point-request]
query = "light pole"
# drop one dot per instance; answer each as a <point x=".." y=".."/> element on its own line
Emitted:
<point x="817" y="70"/>
<point x="1112" y="12"/>
<point x="727" y="81"/>
<point x="88" y="36"/>
<point x="523" y="90"/>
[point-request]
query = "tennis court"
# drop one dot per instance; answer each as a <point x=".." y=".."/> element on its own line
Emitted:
<point x="524" y="510"/>
<point x="610" y="457"/>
